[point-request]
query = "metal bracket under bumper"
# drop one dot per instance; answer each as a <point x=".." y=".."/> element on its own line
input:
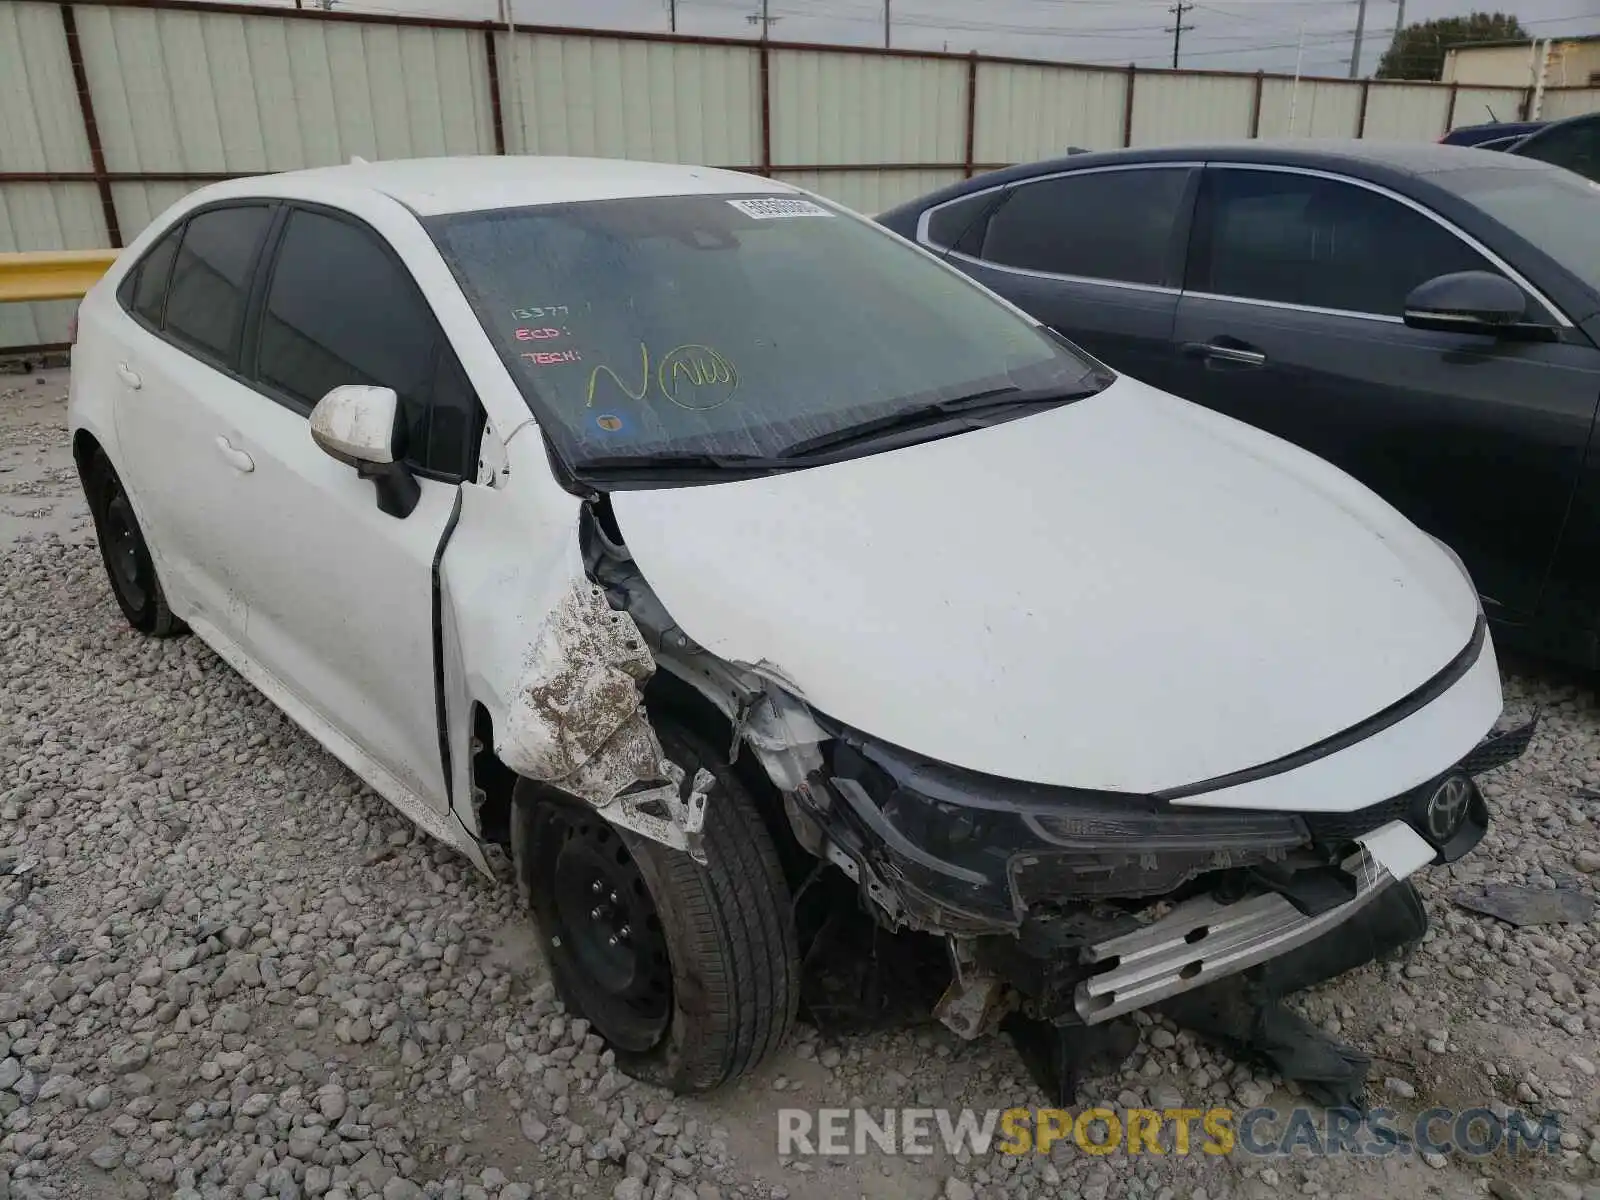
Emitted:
<point x="1202" y="940"/>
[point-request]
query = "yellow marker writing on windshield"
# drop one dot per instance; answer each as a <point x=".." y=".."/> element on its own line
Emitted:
<point x="644" y="381"/>
<point x="701" y="368"/>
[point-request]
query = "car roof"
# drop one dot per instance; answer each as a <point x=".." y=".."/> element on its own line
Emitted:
<point x="432" y="186"/>
<point x="1568" y="122"/>
<point x="1379" y="161"/>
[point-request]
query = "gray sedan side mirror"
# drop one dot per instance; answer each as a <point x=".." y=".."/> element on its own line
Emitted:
<point x="1467" y="302"/>
<point x="359" y="425"/>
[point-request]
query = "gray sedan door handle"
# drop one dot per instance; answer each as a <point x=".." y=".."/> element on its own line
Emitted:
<point x="1233" y="354"/>
<point x="237" y="459"/>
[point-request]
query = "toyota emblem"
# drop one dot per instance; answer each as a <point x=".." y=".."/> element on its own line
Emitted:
<point x="1447" y="807"/>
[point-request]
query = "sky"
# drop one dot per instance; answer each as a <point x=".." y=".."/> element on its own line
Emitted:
<point x="1249" y="35"/>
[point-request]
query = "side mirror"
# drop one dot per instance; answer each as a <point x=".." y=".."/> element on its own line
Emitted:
<point x="359" y="425"/>
<point x="1467" y="302"/>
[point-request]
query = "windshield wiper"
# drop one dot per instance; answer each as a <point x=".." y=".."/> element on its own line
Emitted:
<point x="976" y="404"/>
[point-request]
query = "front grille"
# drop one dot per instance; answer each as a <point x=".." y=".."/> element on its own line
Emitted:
<point x="1500" y="747"/>
<point x="1335" y="828"/>
<point x="1495" y="750"/>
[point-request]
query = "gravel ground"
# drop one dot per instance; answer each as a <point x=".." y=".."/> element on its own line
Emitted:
<point x="228" y="969"/>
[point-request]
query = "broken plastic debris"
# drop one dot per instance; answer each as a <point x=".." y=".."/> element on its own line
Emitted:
<point x="1521" y="905"/>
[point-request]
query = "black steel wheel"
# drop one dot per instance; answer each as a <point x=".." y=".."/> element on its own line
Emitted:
<point x="122" y="551"/>
<point x="690" y="973"/>
<point x="607" y="922"/>
<point x="125" y="554"/>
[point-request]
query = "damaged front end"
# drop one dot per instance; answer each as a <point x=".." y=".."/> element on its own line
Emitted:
<point x="1079" y="907"/>
<point x="1057" y="905"/>
<point x="577" y="724"/>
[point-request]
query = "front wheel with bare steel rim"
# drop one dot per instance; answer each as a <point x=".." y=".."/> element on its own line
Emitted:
<point x="125" y="553"/>
<point x="690" y="973"/>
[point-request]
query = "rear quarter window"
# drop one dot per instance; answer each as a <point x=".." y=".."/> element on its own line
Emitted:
<point x="959" y="225"/>
<point x="144" y="291"/>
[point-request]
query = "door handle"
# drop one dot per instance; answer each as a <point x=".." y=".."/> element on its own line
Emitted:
<point x="1232" y="354"/>
<point x="237" y="459"/>
<point x="129" y="376"/>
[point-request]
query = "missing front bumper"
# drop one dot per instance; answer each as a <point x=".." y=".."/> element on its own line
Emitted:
<point x="1202" y="940"/>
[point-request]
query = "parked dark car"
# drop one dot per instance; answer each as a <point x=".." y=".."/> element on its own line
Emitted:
<point x="1426" y="317"/>
<point x="1573" y="144"/>
<point x="1492" y="135"/>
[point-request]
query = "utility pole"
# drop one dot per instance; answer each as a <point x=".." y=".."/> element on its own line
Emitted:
<point x="672" y="15"/>
<point x="885" y="24"/>
<point x="1355" y="49"/>
<point x="1294" y="94"/>
<point x="1178" y="27"/>
<point x="1542" y="55"/>
<point x="763" y="20"/>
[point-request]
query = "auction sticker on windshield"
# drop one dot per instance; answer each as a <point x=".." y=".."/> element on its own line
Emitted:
<point x="771" y="208"/>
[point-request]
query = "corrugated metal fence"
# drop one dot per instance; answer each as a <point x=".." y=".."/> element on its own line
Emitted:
<point x="112" y="109"/>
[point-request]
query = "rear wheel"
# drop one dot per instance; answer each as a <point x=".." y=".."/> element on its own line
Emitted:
<point x="125" y="553"/>
<point x="690" y="973"/>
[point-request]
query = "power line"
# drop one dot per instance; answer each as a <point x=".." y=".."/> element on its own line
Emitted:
<point x="1337" y="39"/>
<point x="870" y="11"/>
<point x="980" y="27"/>
<point x="1255" y="21"/>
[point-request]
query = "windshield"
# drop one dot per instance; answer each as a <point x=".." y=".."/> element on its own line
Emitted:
<point x="731" y="326"/>
<point x="1553" y="209"/>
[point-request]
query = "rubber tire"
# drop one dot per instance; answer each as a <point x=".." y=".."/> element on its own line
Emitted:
<point x="728" y="926"/>
<point x="151" y="616"/>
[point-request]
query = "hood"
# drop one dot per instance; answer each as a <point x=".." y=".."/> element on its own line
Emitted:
<point x="1128" y="593"/>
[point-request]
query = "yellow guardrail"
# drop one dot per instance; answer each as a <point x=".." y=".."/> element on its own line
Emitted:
<point x="52" y="274"/>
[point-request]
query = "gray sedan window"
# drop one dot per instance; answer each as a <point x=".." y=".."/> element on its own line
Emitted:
<point x="1294" y="238"/>
<point x="1114" y="225"/>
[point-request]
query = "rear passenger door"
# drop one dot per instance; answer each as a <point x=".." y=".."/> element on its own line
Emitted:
<point x="341" y="594"/>
<point x="180" y="396"/>
<point x="1096" y="254"/>
<point x="1292" y="320"/>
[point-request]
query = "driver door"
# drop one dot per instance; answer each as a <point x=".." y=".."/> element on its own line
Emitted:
<point x="341" y="594"/>
<point x="1291" y="319"/>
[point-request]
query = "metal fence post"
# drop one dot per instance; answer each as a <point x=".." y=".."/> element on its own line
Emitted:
<point x="491" y="56"/>
<point x="91" y="128"/>
<point x="1127" y="107"/>
<point x="972" y="110"/>
<point x="766" y="109"/>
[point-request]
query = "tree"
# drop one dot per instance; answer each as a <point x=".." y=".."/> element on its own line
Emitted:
<point x="1417" y="51"/>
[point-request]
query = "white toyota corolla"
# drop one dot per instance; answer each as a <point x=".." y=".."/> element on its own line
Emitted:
<point x="685" y="533"/>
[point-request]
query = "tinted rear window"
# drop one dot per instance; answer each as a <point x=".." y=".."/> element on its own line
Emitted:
<point x="1116" y="225"/>
<point x="205" y="303"/>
